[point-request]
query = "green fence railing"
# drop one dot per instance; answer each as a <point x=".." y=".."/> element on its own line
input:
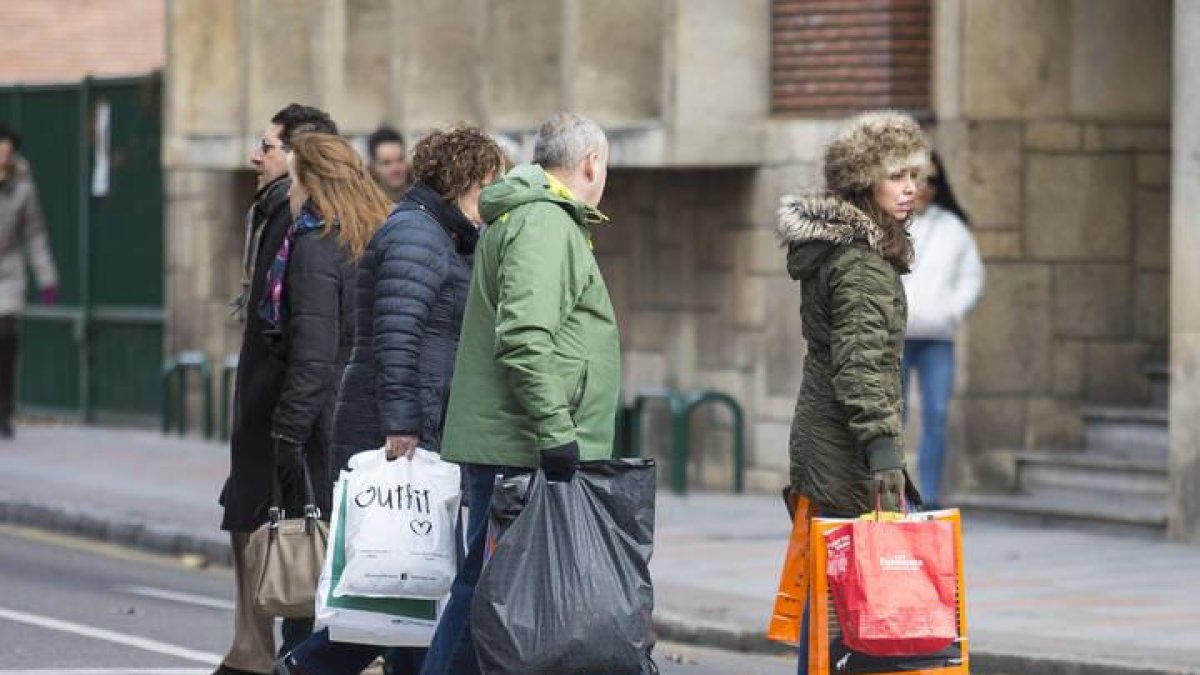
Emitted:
<point x="681" y="407"/>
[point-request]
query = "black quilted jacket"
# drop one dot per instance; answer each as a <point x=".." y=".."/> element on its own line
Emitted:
<point x="412" y="288"/>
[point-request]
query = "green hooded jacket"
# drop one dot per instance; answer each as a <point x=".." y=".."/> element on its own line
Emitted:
<point x="539" y="358"/>
<point x="854" y="314"/>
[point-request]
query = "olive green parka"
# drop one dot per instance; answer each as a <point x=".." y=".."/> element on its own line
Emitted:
<point x="854" y="311"/>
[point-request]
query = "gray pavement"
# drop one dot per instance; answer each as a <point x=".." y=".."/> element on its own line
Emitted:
<point x="71" y="607"/>
<point x="1039" y="601"/>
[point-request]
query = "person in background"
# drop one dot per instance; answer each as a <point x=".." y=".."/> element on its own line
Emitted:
<point x="23" y="242"/>
<point x="944" y="285"/>
<point x="412" y="291"/>
<point x="259" y="387"/>
<point x="389" y="162"/>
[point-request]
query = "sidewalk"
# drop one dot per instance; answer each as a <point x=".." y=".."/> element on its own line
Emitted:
<point x="1039" y="601"/>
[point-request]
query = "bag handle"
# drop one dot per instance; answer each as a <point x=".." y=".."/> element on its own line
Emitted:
<point x="879" y="503"/>
<point x="276" y="513"/>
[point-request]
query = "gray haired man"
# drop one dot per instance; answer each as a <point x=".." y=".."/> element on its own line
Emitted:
<point x="539" y="364"/>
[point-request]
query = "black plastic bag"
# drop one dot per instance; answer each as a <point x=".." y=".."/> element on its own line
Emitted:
<point x="567" y="590"/>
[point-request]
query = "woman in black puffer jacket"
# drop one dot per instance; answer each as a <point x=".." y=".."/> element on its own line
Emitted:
<point x="412" y="288"/>
<point x="411" y="292"/>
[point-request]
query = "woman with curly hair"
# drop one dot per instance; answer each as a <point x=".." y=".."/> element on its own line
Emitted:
<point x="848" y="246"/>
<point x="412" y="290"/>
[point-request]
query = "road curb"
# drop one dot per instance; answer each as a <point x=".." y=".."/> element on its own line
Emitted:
<point x="678" y="627"/>
<point x="164" y="539"/>
<point x="119" y="529"/>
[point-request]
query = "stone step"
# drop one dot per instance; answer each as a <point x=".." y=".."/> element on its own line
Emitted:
<point x="1112" y="476"/>
<point x="1159" y="377"/>
<point x="1077" y="510"/>
<point x="1126" y="432"/>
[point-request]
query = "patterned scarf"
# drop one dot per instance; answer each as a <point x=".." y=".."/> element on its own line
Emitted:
<point x="271" y="308"/>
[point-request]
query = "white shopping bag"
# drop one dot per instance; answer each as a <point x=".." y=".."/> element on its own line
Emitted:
<point x="388" y="622"/>
<point x="400" y="524"/>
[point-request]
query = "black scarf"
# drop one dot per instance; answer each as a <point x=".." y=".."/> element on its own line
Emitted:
<point x="448" y="215"/>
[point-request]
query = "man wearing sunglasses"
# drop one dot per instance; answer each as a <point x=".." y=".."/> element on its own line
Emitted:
<point x="260" y="380"/>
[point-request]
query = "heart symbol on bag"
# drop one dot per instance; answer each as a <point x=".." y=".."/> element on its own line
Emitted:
<point x="421" y="527"/>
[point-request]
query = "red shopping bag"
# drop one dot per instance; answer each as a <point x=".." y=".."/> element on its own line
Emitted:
<point x="893" y="585"/>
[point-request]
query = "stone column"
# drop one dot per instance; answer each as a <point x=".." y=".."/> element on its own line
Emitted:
<point x="1184" y="507"/>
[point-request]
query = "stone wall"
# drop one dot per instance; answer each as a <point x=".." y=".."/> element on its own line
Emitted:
<point x="205" y="211"/>
<point x="704" y="302"/>
<point x="1054" y="123"/>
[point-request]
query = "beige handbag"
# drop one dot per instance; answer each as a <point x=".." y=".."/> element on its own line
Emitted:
<point x="286" y="555"/>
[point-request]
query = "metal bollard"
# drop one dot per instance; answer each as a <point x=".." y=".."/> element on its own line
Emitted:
<point x="174" y="400"/>
<point x="677" y="407"/>
<point x="697" y="399"/>
<point x="228" y="373"/>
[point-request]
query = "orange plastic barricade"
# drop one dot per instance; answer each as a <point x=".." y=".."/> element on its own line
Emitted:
<point x="828" y="653"/>
<point x="793" y="581"/>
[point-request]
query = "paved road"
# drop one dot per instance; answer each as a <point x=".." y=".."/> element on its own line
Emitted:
<point x="71" y="607"/>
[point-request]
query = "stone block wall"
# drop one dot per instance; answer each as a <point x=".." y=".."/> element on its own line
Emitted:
<point x="704" y="302"/>
<point x="204" y="235"/>
<point x="1054" y="122"/>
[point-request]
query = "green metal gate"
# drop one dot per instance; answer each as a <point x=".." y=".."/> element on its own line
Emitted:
<point x="96" y="355"/>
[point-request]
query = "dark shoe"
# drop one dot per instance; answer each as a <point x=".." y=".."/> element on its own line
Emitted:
<point x="6" y="431"/>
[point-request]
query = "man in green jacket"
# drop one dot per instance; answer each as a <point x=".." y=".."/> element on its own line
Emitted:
<point x="538" y="373"/>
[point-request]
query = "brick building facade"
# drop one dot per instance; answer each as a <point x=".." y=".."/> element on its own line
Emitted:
<point x="64" y="40"/>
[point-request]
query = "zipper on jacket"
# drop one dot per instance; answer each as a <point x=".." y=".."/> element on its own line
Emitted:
<point x="577" y="396"/>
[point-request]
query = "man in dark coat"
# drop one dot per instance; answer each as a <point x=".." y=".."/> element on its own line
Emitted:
<point x="260" y="386"/>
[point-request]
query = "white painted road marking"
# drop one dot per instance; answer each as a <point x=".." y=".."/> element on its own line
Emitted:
<point x="134" y="641"/>
<point x="108" y="671"/>
<point x="175" y="596"/>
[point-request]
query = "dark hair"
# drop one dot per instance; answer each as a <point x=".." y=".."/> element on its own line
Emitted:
<point x="452" y="160"/>
<point x="943" y="196"/>
<point x="896" y="246"/>
<point x="299" y="119"/>
<point x="9" y="134"/>
<point x="382" y="135"/>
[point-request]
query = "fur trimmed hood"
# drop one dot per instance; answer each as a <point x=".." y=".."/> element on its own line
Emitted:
<point x="871" y="147"/>
<point x="810" y="226"/>
<point x="826" y="217"/>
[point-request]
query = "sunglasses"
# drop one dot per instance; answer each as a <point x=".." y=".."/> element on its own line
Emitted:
<point x="264" y="147"/>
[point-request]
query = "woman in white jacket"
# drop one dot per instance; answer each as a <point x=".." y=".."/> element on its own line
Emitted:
<point x="945" y="282"/>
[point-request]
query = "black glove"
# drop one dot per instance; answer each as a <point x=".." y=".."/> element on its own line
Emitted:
<point x="559" y="463"/>
<point x="883" y="460"/>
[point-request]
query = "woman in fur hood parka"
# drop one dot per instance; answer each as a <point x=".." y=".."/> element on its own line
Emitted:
<point x="848" y="246"/>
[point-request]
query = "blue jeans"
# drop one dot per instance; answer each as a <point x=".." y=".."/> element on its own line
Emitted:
<point x="934" y="362"/>
<point x="452" y="651"/>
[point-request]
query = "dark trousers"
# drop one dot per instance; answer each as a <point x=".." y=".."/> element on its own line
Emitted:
<point x="453" y="651"/>
<point x="8" y="368"/>
<point x="318" y="655"/>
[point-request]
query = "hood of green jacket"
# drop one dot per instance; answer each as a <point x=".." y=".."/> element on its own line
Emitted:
<point x="529" y="183"/>
<point x="811" y="226"/>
